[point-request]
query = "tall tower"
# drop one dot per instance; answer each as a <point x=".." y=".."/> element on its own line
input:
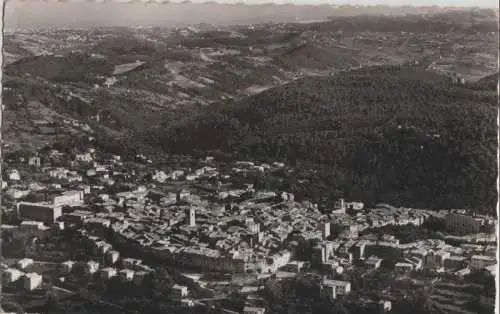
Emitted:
<point x="341" y="204"/>
<point x="325" y="229"/>
<point x="191" y="216"/>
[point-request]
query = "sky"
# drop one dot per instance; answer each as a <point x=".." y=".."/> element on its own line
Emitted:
<point x="84" y="13"/>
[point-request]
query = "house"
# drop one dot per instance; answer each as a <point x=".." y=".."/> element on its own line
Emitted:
<point x="454" y="262"/>
<point x="69" y="198"/>
<point x="11" y="275"/>
<point x="103" y="247"/>
<point x="112" y="256"/>
<point x="160" y="177"/>
<point x="107" y="273"/>
<point x="59" y="225"/>
<point x="48" y="213"/>
<point x="87" y="157"/>
<point x="330" y="265"/>
<point x="139" y="276"/>
<point x="253" y="310"/>
<point x="24" y="263"/>
<point x="403" y="268"/>
<point x="34" y="161"/>
<point x="126" y="275"/>
<point x="462" y="272"/>
<point x="354" y="205"/>
<point x="130" y="262"/>
<point x="478" y="262"/>
<point x="31" y="226"/>
<point x="333" y="289"/>
<point x="415" y="261"/>
<point x="295" y="266"/>
<point x="492" y="270"/>
<point x="92" y="267"/>
<point x="186" y="304"/>
<point x="91" y="173"/>
<point x="67" y="267"/>
<point x="16" y="193"/>
<point x="14" y="175"/>
<point x="179" y="291"/>
<point x="373" y="263"/>
<point x="32" y="281"/>
<point x="384" y="306"/>
<point x="436" y="259"/>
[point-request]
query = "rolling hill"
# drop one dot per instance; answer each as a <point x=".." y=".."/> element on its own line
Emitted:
<point x="488" y="82"/>
<point x="389" y="134"/>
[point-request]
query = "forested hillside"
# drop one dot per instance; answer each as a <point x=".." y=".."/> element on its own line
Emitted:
<point x="489" y="82"/>
<point x="392" y="134"/>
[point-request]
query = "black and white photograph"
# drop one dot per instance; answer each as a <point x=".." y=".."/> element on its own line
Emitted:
<point x="249" y="157"/>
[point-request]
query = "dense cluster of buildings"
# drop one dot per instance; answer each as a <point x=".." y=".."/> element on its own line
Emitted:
<point x="204" y="217"/>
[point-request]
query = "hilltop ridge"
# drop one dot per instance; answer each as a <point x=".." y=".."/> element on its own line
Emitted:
<point x="401" y="135"/>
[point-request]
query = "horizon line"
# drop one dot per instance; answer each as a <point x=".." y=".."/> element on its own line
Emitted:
<point x="317" y="3"/>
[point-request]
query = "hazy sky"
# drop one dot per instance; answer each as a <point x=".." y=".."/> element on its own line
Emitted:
<point x="85" y="13"/>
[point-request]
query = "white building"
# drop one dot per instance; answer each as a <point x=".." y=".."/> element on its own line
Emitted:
<point x="139" y="276"/>
<point x="252" y="226"/>
<point x="385" y="306"/>
<point x="107" y="273"/>
<point x="11" y="275"/>
<point x="34" y="161"/>
<point x="325" y="229"/>
<point x="160" y="177"/>
<point x="87" y="157"/>
<point x="373" y="262"/>
<point x="126" y="274"/>
<point x="92" y="267"/>
<point x="67" y="267"/>
<point x="253" y="310"/>
<point x="32" y="281"/>
<point x="333" y="289"/>
<point x="415" y="261"/>
<point x="24" y="263"/>
<point x="31" y="226"/>
<point x="403" y="268"/>
<point x="14" y="175"/>
<point x="191" y="217"/>
<point x="179" y="291"/>
<point x="339" y="207"/>
<point x="103" y="247"/>
<point x="355" y="205"/>
<point x="69" y="198"/>
<point x="112" y="257"/>
<point x="131" y="262"/>
<point x="278" y="260"/>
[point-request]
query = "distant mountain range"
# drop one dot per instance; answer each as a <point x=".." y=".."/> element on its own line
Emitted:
<point x="82" y="14"/>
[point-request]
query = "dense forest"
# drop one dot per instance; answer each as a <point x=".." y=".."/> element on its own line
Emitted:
<point x="398" y="135"/>
<point x="489" y="82"/>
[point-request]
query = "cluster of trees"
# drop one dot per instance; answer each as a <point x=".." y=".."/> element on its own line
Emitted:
<point x="394" y="134"/>
<point x="299" y="295"/>
<point x="74" y="67"/>
<point x="489" y="82"/>
<point x="153" y="296"/>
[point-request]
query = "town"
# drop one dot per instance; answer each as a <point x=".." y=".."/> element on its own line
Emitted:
<point x="86" y="222"/>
